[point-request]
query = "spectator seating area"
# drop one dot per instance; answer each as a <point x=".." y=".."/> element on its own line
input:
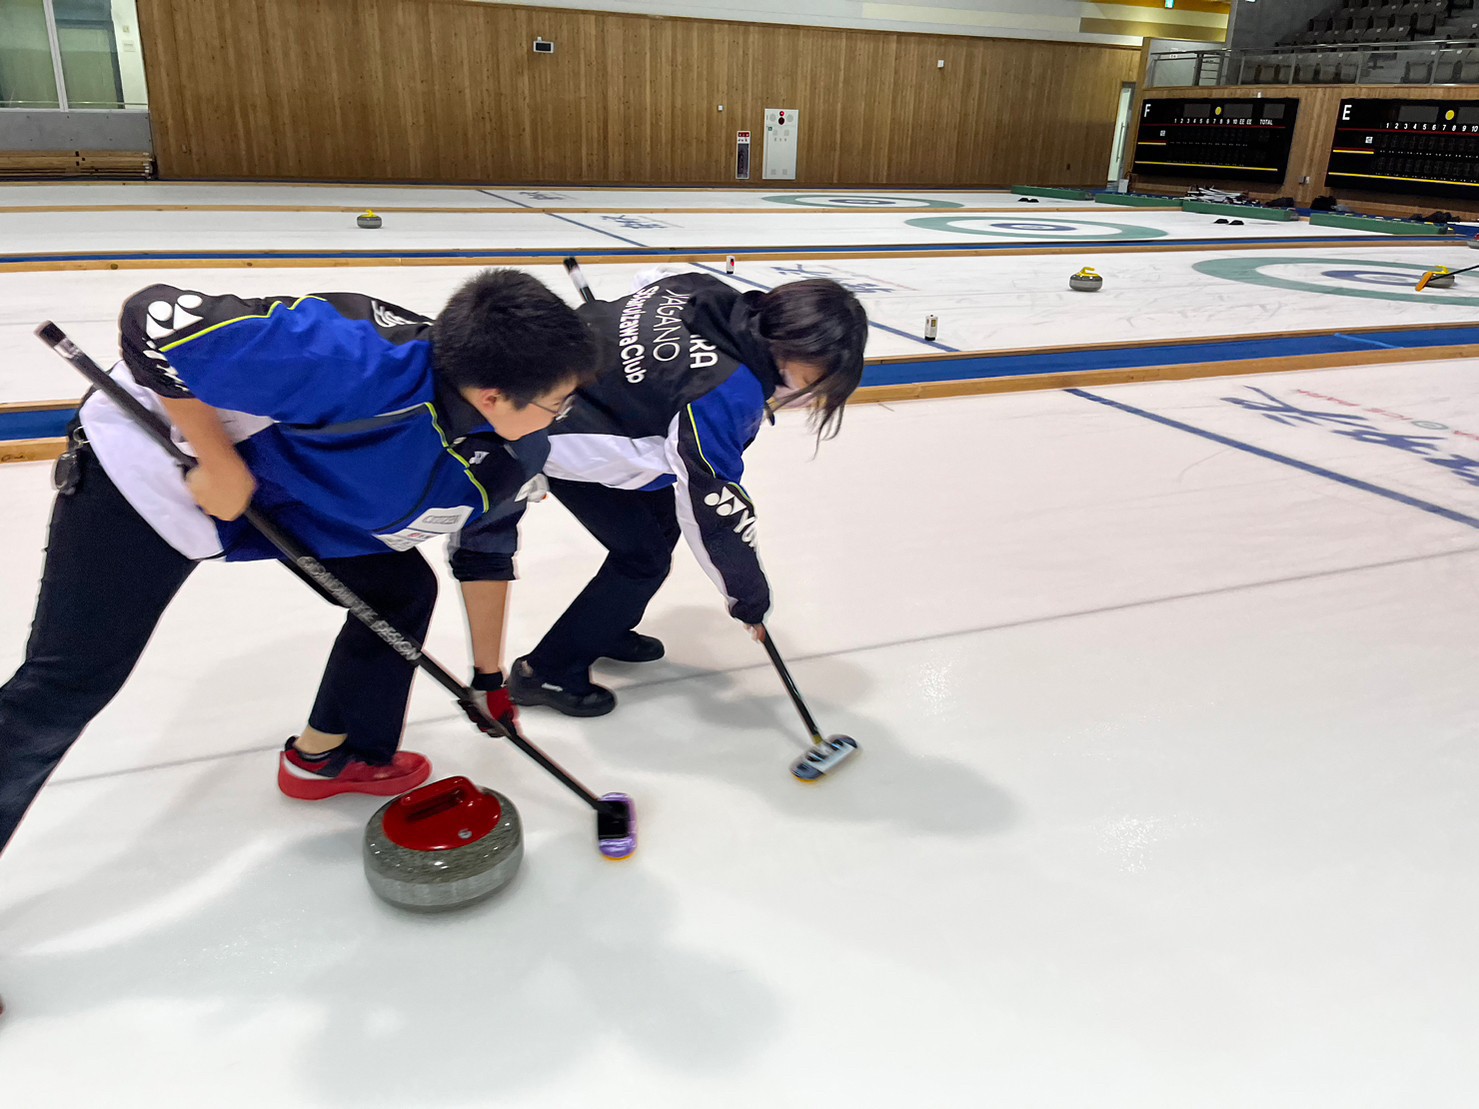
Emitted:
<point x="1416" y="42"/>
<point x="1364" y="22"/>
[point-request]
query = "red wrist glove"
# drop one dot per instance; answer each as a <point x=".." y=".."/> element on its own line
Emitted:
<point x="490" y="690"/>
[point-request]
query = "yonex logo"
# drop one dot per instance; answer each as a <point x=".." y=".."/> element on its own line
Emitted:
<point x="384" y="317"/>
<point x="165" y="318"/>
<point x="727" y="503"/>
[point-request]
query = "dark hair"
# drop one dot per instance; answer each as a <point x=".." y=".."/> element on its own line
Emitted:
<point x="820" y="322"/>
<point x="505" y="330"/>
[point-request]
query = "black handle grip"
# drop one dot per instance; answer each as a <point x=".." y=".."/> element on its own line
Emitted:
<point x="54" y="337"/>
<point x="572" y="267"/>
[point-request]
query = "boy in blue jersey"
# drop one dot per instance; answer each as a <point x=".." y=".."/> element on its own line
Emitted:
<point x="362" y="429"/>
<point x="654" y="447"/>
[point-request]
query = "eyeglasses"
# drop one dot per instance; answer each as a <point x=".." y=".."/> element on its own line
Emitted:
<point x="558" y="413"/>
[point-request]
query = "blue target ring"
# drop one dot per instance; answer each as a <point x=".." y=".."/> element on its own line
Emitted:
<point x="1372" y="277"/>
<point x="1036" y="226"/>
<point x="1050" y="230"/>
<point x="862" y="200"/>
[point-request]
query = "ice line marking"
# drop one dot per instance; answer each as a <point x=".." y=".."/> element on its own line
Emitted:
<point x="1308" y="467"/>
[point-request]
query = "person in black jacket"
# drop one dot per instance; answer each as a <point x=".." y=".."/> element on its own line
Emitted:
<point x="654" y="447"/>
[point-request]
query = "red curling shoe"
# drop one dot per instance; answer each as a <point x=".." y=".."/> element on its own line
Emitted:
<point x="306" y="778"/>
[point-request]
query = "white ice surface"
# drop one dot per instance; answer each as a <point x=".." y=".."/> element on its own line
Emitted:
<point x="983" y="303"/>
<point x="775" y="197"/>
<point x="1165" y="799"/>
<point x="142" y="194"/>
<point x="27" y="233"/>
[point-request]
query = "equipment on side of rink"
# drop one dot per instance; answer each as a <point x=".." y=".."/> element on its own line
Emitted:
<point x="825" y="754"/>
<point x="931" y="326"/>
<point x="616" y="816"/>
<point x="1230" y="222"/>
<point x="1087" y="280"/>
<point x="729" y="263"/>
<point x="1027" y="200"/>
<point x="1442" y="277"/>
<point x="1216" y="196"/>
<point x="443" y="846"/>
<point x="368" y="219"/>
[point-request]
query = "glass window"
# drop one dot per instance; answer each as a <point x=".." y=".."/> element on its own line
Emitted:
<point x="102" y="66"/>
<point x="27" y="79"/>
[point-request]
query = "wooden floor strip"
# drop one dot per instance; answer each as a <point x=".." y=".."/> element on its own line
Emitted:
<point x="30" y="450"/>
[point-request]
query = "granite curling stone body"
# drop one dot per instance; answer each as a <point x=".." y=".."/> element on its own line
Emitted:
<point x="1086" y="281"/>
<point x="443" y="846"/>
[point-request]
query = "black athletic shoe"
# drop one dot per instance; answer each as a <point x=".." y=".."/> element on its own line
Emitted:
<point x="525" y="688"/>
<point x="636" y="647"/>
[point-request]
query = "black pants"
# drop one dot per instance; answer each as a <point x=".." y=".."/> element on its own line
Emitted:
<point x="109" y="577"/>
<point x="639" y="530"/>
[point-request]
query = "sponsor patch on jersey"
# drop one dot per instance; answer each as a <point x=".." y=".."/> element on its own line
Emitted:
<point x="430" y="524"/>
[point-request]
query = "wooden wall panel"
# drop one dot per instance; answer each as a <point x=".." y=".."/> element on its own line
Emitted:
<point x="1314" y="133"/>
<point x="443" y="90"/>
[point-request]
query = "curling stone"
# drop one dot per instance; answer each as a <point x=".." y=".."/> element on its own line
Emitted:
<point x="1442" y="278"/>
<point x="1086" y="281"/>
<point x="443" y="846"/>
<point x="368" y="219"/>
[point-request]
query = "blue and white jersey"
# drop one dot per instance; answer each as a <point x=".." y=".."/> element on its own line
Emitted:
<point x="682" y="393"/>
<point x="334" y="405"/>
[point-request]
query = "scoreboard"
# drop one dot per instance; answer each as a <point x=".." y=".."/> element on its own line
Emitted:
<point x="1242" y="140"/>
<point x="1424" y="147"/>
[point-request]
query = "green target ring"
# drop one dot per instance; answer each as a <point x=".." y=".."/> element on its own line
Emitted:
<point x="957" y="225"/>
<point x="1251" y="271"/>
